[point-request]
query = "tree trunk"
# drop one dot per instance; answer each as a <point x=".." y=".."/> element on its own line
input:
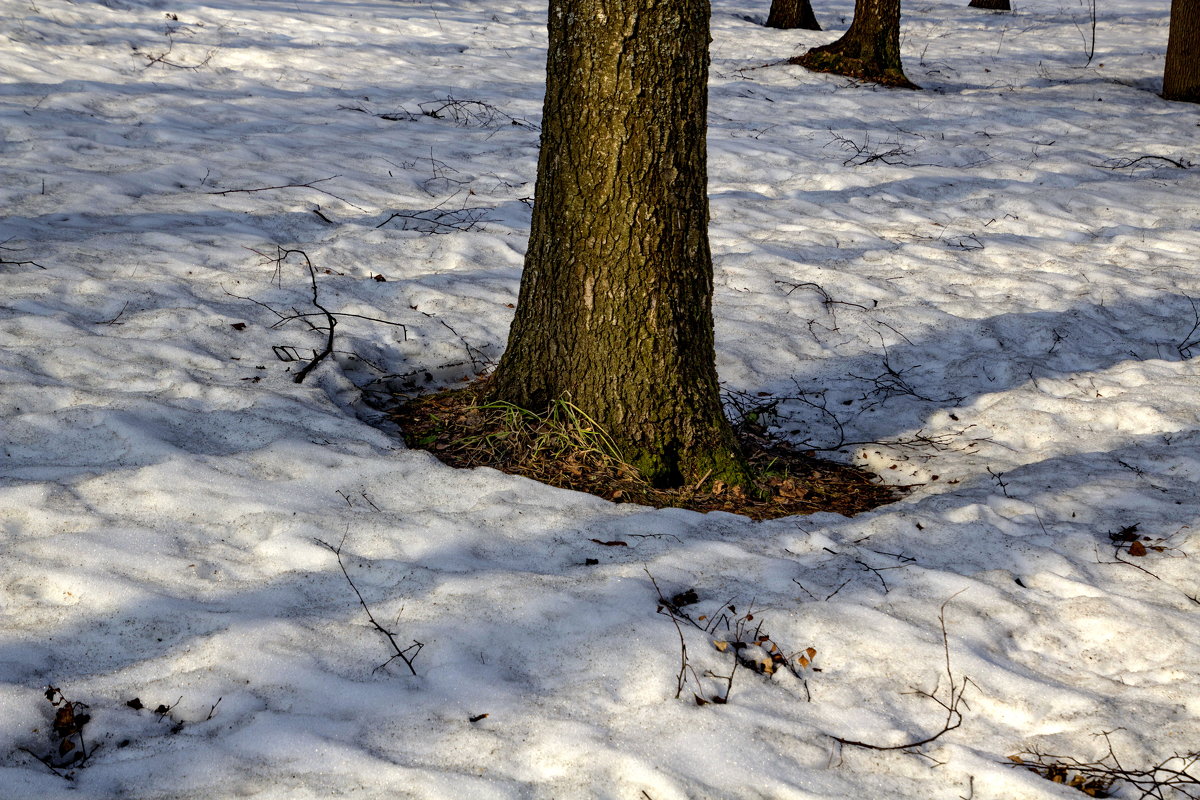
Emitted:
<point x="615" y="307"/>
<point x="1181" y="78"/>
<point x="870" y="50"/>
<point x="792" y="14"/>
<point x="991" y="5"/>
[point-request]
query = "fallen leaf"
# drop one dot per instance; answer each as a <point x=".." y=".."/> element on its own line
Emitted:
<point x="65" y="723"/>
<point x="238" y="326"/>
<point x="1137" y="549"/>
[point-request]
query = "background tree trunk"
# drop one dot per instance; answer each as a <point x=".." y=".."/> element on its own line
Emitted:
<point x="792" y="14"/>
<point x="869" y="50"/>
<point x="1181" y="77"/>
<point x="991" y="5"/>
<point x="615" y="308"/>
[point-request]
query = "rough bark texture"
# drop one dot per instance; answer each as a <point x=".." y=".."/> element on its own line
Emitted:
<point x="991" y="5"/>
<point x="615" y="308"/>
<point x="791" y="14"/>
<point x="1181" y="78"/>
<point x="870" y="50"/>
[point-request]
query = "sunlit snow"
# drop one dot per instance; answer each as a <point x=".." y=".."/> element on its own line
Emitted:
<point x="988" y="289"/>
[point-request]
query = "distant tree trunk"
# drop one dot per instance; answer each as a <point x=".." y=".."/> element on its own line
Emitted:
<point x="615" y="308"/>
<point x="792" y="14"/>
<point x="869" y="50"/>
<point x="1181" y="77"/>
<point x="991" y="5"/>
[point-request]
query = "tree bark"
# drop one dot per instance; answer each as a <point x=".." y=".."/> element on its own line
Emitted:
<point x="615" y="308"/>
<point x="1181" y="77"/>
<point x="869" y="50"/>
<point x="792" y="14"/>
<point x="991" y="5"/>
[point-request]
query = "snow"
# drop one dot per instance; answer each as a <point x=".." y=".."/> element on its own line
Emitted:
<point x="976" y="288"/>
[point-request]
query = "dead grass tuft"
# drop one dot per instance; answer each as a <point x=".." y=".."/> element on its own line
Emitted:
<point x="564" y="447"/>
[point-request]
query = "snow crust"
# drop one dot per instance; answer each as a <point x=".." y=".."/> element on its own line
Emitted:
<point x="985" y="288"/>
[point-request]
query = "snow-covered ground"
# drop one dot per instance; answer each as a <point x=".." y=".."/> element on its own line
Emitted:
<point x="990" y="280"/>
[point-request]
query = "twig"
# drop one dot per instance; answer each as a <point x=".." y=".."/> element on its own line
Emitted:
<point x="113" y="321"/>
<point x="1187" y="343"/>
<point x="434" y="221"/>
<point x="476" y="356"/>
<point x="161" y="58"/>
<point x="403" y="655"/>
<point x="954" y="716"/>
<point x="1125" y="163"/>
<point x="70" y="717"/>
<point x="331" y="317"/>
<point x="999" y="476"/>
<point x="893" y="383"/>
<point x="878" y="571"/>
<point x="1118" y="560"/>
<point x="825" y="297"/>
<point x="310" y="185"/>
<point x="806" y="591"/>
<point x="862" y="153"/>
<point x="665" y="605"/>
<point x="49" y="764"/>
<point x="1097" y="777"/>
<point x="212" y="711"/>
<point x="467" y="113"/>
<point x="838" y="589"/>
<point x="316" y="301"/>
<point x="163" y="710"/>
<point x="6" y="262"/>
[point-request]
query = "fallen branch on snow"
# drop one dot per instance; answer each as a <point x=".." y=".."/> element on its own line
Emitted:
<point x="403" y="655"/>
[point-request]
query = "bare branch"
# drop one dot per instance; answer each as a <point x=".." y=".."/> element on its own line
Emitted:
<point x="403" y="655"/>
<point x="1175" y="775"/>
<point x="954" y="716"/>
<point x="7" y="262"/>
<point x="310" y="185"/>
<point x="1129" y="163"/>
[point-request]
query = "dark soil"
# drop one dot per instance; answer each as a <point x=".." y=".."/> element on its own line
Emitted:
<point x="562" y="449"/>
